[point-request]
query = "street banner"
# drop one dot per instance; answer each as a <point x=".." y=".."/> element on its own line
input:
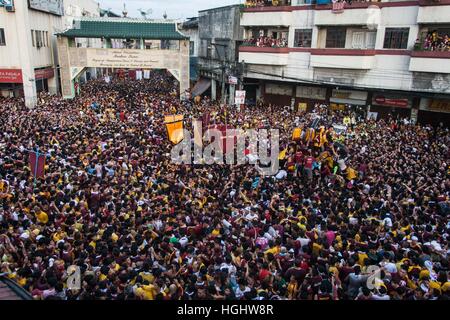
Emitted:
<point x="174" y="125"/>
<point x="36" y="162"/>
<point x="302" y="107"/>
<point x="239" y="97"/>
<point x="232" y="80"/>
<point x="206" y="117"/>
<point x="297" y="134"/>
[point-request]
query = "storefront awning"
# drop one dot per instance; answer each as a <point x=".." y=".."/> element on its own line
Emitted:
<point x="201" y="86"/>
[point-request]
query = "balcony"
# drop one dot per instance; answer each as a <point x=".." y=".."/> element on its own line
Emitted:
<point x="430" y="61"/>
<point x="264" y="55"/>
<point x="266" y="5"/>
<point x="357" y="14"/>
<point x="343" y="58"/>
<point x="433" y="11"/>
<point x="267" y="16"/>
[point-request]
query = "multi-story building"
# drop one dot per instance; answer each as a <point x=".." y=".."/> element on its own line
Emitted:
<point x="220" y="36"/>
<point x="190" y="29"/>
<point x="389" y="57"/>
<point x="28" y="55"/>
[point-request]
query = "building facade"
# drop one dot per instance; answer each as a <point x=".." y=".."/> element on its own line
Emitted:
<point x="220" y="36"/>
<point x="190" y="29"/>
<point x="387" y="57"/>
<point x="28" y="55"/>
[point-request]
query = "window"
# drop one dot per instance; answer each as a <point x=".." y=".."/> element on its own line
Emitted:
<point x="32" y="38"/>
<point x="38" y="39"/>
<point x="2" y="37"/>
<point x="396" y="38"/>
<point x="191" y="48"/>
<point x="303" y="38"/>
<point x="336" y="38"/>
<point x="46" y="38"/>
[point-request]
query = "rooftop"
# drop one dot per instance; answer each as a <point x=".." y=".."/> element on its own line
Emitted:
<point x="123" y="28"/>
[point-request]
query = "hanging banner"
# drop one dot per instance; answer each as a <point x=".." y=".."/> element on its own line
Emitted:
<point x="297" y="134"/>
<point x="132" y="74"/>
<point x="174" y="125"/>
<point x="146" y="74"/>
<point x="45" y="73"/>
<point x="388" y="101"/>
<point x="139" y="75"/>
<point x="372" y="115"/>
<point x="206" y="118"/>
<point x="302" y="106"/>
<point x="36" y="162"/>
<point x="239" y="97"/>
<point x="11" y="76"/>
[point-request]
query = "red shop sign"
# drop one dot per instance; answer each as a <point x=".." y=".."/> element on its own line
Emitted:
<point x="11" y="76"/>
<point x="44" y="73"/>
<point x="403" y="103"/>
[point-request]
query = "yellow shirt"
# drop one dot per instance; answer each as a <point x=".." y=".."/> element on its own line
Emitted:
<point x="146" y="292"/>
<point x="275" y="250"/>
<point x="42" y="217"/>
<point x="361" y="258"/>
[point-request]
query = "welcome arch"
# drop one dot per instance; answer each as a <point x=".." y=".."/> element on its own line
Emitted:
<point x="169" y="49"/>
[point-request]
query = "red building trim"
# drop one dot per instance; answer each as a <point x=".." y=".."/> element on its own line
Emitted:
<point x="431" y="54"/>
<point x="270" y="9"/>
<point x="299" y="49"/>
<point x="263" y="49"/>
<point x="354" y="5"/>
<point x="393" y="52"/>
<point x="430" y="3"/>
<point x="363" y="5"/>
<point x="335" y="52"/>
<point x="343" y="52"/>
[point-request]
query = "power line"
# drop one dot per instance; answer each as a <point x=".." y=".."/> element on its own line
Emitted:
<point x="337" y="84"/>
<point x="374" y="74"/>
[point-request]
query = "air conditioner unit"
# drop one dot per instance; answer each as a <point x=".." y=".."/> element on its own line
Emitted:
<point x="10" y="7"/>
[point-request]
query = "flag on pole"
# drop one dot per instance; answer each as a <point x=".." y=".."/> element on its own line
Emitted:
<point x="206" y="117"/>
<point x="36" y="161"/>
<point x="296" y="134"/>
<point x="174" y="125"/>
<point x="282" y="154"/>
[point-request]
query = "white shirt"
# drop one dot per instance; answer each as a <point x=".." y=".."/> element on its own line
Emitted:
<point x="281" y="174"/>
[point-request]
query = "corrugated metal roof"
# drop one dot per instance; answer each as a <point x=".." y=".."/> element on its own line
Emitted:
<point x="124" y="28"/>
<point x="9" y="290"/>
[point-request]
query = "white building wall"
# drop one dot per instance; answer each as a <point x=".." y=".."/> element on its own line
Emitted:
<point x="19" y="52"/>
<point x="392" y="70"/>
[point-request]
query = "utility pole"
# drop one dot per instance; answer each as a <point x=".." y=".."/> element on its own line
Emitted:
<point x="223" y="68"/>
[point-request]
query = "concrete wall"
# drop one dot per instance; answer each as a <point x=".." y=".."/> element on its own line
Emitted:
<point x="391" y="70"/>
<point x="19" y="52"/>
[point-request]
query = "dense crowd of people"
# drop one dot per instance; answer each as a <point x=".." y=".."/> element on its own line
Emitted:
<point x="356" y="215"/>
<point x="264" y="3"/>
<point x="436" y="42"/>
<point x="266" y="41"/>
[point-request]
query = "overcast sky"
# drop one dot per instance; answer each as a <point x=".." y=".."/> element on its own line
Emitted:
<point x="176" y="9"/>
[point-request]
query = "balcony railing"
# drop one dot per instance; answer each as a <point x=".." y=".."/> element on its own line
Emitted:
<point x="434" y="43"/>
<point x="266" y="3"/>
<point x="265" y="42"/>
